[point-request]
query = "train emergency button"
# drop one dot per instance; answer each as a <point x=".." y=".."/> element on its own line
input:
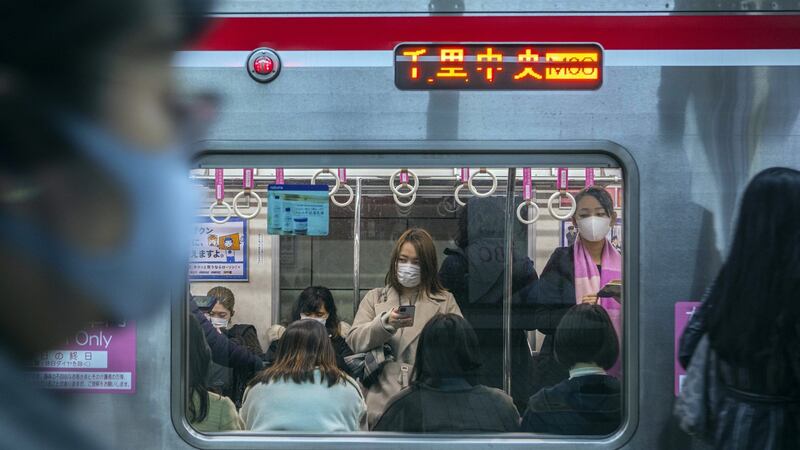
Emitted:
<point x="263" y="64"/>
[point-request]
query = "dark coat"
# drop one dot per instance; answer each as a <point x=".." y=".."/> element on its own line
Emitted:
<point x="223" y="351"/>
<point x="457" y="407"/>
<point x="232" y="381"/>
<point x="551" y="297"/>
<point x="761" y="404"/>
<point x="484" y="311"/>
<point x="587" y="405"/>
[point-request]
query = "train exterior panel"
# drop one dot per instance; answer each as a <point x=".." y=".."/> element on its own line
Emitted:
<point x="695" y="98"/>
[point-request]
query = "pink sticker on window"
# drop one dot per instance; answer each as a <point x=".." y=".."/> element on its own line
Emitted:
<point x="683" y="313"/>
<point x="99" y="359"/>
<point x="219" y="184"/>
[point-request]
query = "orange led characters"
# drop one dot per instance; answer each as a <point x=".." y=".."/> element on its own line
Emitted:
<point x="414" y="54"/>
<point x="453" y="56"/>
<point x="584" y="66"/>
<point x="527" y="57"/>
<point x="489" y="56"/>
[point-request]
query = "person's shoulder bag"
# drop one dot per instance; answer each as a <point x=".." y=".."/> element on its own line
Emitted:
<point x="698" y="404"/>
<point x="367" y="366"/>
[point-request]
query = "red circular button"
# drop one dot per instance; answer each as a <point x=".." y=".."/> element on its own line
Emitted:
<point x="263" y="65"/>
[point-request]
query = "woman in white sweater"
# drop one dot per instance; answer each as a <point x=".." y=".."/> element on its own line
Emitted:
<point x="303" y="390"/>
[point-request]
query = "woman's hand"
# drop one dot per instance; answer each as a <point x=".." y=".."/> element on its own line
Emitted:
<point x="397" y="320"/>
<point x="589" y="299"/>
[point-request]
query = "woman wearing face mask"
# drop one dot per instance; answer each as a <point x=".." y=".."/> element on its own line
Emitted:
<point x="411" y="281"/>
<point x="574" y="275"/>
<point x="316" y="303"/>
<point x="229" y="379"/>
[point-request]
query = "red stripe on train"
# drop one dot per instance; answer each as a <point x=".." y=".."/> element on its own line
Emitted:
<point x="682" y="32"/>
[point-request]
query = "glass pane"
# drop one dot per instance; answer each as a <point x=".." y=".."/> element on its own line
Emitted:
<point x="557" y="266"/>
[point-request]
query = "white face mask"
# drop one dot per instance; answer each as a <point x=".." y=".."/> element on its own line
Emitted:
<point x="219" y="322"/>
<point x="594" y="228"/>
<point x="321" y="320"/>
<point x="408" y="274"/>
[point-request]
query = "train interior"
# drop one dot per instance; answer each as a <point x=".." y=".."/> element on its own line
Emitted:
<point x="246" y="241"/>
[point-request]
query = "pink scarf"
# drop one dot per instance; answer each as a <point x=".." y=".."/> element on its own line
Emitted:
<point x="588" y="280"/>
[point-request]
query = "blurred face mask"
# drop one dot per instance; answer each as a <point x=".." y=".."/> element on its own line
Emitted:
<point x="322" y="320"/>
<point x="408" y="274"/>
<point x="594" y="228"/>
<point x="219" y="322"/>
<point x="134" y="277"/>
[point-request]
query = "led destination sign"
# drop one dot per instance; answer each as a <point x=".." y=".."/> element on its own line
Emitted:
<point x="498" y="66"/>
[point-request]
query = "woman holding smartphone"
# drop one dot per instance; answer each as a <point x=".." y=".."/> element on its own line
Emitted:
<point x="397" y="313"/>
<point x="575" y="275"/>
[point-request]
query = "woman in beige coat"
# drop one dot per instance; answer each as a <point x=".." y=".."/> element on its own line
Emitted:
<point x="411" y="280"/>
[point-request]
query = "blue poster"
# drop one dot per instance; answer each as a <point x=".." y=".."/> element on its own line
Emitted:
<point x="298" y="210"/>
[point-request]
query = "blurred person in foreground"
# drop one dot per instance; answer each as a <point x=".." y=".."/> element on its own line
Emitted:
<point x="95" y="203"/>
<point x="750" y="320"/>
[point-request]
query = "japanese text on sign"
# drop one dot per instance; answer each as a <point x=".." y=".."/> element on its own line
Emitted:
<point x="101" y="358"/>
<point x="219" y="251"/>
<point x="498" y="66"/>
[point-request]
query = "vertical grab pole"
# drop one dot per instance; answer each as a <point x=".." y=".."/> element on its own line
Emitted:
<point x="508" y="287"/>
<point x="357" y="248"/>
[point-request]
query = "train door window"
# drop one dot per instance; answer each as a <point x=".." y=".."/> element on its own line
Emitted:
<point x="404" y="300"/>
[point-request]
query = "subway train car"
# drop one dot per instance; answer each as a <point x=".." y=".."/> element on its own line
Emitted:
<point x="341" y="124"/>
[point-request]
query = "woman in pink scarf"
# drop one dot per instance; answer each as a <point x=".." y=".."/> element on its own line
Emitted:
<point x="574" y="275"/>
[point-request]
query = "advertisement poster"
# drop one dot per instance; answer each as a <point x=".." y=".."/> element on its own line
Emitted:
<point x="683" y="312"/>
<point x="98" y="359"/>
<point x="298" y="210"/>
<point x="219" y="250"/>
<point x="568" y="233"/>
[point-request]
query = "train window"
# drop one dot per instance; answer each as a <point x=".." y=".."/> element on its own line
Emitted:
<point x="370" y="301"/>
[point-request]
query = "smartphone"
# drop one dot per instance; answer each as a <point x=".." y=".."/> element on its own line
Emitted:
<point x="612" y="289"/>
<point x="407" y="311"/>
<point x="204" y="302"/>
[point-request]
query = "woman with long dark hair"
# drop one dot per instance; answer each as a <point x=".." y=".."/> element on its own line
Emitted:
<point x="303" y="390"/>
<point x="206" y="411"/>
<point x="396" y="314"/>
<point x="445" y="395"/>
<point x="752" y="317"/>
<point x="317" y="303"/>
